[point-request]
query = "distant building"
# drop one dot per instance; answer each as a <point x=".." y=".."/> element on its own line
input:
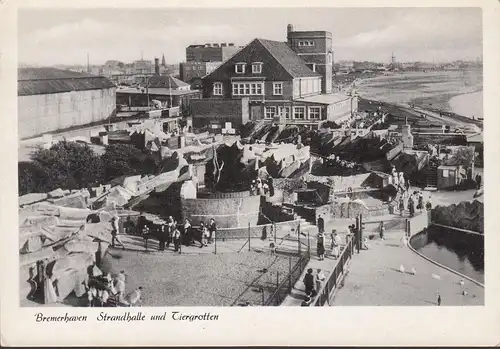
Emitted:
<point x="192" y="72"/>
<point x="142" y="67"/>
<point x="211" y="52"/>
<point x="275" y="81"/>
<point x="51" y="99"/>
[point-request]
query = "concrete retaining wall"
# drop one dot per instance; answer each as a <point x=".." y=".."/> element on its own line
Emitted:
<point x="227" y="212"/>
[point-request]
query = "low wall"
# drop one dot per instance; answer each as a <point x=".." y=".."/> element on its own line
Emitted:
<point x="341" y="210"/>
<point x="227" y="212"/>
<point x="256" y="231"/>
<point x="207" y="110"/>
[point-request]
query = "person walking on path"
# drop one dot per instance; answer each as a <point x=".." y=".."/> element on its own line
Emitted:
<point x="320" y="278"/>
<point x="309" y="282"/>
<point x="176" y="236"/>
<point x="439" y="300"/>
<point x="321" y="224"/>
<point x="114" y="232"/>
<point x="382" y="230"/>
<point x="321" y="246"/>
<point x="478" y="181"/>
<point x="204" y="235"/>
<point x="428" y="205"/>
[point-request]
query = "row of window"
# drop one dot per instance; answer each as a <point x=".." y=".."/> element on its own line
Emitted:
<point x="299" y="113"/>
<point x="306" y="43"/>
<point x="240" y="68"/>
<point x="249" y="89"/>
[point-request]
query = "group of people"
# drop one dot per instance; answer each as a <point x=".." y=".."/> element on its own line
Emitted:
<point x="320" y="240"/>
<point x="262" y="187"/>
<point x="336" y="161"/>
<point x="312" y="284"/>
<point x="105" y="291"/>
<point x="411" y="202"/>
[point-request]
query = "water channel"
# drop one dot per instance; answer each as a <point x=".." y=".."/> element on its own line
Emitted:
<point x="457" y="250"/>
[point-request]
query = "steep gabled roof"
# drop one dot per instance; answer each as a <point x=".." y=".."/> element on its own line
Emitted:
<point x="290" y="60"/>
<point x="280" y="62"/>
<point x="35" y="81"/>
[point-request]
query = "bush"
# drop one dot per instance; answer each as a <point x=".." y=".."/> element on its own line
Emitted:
<point x="32" y="178"/>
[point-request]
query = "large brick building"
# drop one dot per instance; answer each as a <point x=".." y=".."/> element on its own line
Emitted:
<point x="51" y="99"/>
<point x="210" y="52"/>
<point x="287" y="82"/>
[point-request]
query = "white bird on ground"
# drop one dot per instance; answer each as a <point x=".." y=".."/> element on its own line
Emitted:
<point x="413" y="271"/>
<point x="134" y="297"/>
<point x="401" y="268"/>
<point x="437" y="277"/>
<point x="464" y="293"/>
<point x="461" y="282"/>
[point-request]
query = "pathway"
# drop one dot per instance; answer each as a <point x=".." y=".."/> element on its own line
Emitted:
<point x="374" y="278"/>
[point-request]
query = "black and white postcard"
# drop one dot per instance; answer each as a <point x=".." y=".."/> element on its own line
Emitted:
<point x="187" y="174"/>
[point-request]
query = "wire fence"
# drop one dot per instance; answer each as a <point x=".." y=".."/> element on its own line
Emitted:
<point x="284" y="287"/>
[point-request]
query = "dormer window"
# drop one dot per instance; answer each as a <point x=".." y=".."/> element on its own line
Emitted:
<point x="257" y="68"/>
<point x="239" y="68"/>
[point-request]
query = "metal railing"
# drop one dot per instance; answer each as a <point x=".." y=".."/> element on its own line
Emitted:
<point x="284" y="287"/>
<point x="331" y="284"/>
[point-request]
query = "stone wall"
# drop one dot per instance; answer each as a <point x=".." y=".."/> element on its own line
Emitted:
<point x="227" y="212"/>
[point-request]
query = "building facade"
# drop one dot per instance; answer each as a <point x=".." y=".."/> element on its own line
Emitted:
<point x="281" y="85"/>
<point x="52" y="99"/>
<point x="211" y="52"/>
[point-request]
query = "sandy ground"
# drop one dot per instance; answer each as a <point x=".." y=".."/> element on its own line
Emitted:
<point x="374" y="279"/>
<point x="204" y="279"/>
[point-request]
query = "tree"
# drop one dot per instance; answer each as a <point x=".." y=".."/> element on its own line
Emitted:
<point x="69" y="165"/>
<point x="123" y="159"/>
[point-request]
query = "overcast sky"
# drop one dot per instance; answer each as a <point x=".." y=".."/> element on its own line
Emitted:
<point x="52" y="36"/>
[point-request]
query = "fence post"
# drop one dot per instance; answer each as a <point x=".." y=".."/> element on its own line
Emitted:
<point x="409" y="228"/>
<point x="263" y="298"/>
<point x="215" y="241"/>
<point x="289" y="274"/>
<point x="277" y="280"/>
<point x="298" y="238"/>
<point x="248" y="236"/>
<point x="308" y="245"/>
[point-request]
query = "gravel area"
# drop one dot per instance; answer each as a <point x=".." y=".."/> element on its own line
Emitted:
<point x="224" y="279"/>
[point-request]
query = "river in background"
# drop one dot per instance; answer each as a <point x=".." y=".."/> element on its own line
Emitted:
<point x="454" y="91"/>
<point x="457" y="250"/>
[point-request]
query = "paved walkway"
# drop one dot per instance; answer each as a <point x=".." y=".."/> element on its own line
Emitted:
<point x="374" y="278"/>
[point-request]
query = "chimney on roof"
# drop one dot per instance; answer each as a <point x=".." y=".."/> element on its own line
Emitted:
<point x="223" y="44"/>
<point x="231" y="44"/>
<point x="157" y="66"/>
<point x="208" y="45"/>
<point x="289" y="28"/>
<point x="215" y="45"/>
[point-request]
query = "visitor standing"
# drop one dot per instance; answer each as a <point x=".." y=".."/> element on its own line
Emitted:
<point x="162" y="236"/>
<point x="411" y="206"/>
<point x="115" y="227"/>
<point x="321" y="224"/>
<point x="309" y="282"/>
<point x="382" y="230"/>
<point x="170" y="230"/>
<point x="320" y="244"/>
<point x="176" y="236"/>
<point x="420" y="205"/>
<point x="335" y="246"/>
<point x="204" y="235"/>
<point x="188" y="233"/>
<point x="428" y="205"/>
<point x="212" y="229"/>
<point x="401" y="205"/>
<point x="320" y="278"/>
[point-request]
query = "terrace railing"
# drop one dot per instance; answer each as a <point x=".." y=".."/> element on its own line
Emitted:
<point x="332" y="283"/>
